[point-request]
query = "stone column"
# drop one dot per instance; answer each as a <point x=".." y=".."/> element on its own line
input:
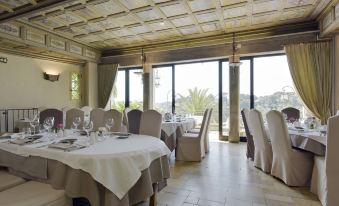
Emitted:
<point x="147" y="87"/>
<point x="90" y="82"/>
<point x="234" y="104"/>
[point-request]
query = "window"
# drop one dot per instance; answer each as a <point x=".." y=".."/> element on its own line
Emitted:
<point x="75" y="86"/>
<point x="273" y="85"/>
<point x="197" y="88"/>
<point x="162" y="84"/>
<point x="128" y="90"/>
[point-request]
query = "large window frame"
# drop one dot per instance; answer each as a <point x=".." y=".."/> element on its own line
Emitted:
<point x="127" y="82"/>
<point x="220" y="83"/>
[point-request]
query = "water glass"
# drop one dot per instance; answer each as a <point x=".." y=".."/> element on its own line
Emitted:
<point x="109" y="124"/>
<point x="77" y="122"/>
<point x="88" y="126"/>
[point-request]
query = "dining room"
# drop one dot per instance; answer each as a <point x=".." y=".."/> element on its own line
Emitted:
<point x="162" y="102"/>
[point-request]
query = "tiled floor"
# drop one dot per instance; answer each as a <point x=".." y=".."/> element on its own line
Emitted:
<point x="226" y="178"/>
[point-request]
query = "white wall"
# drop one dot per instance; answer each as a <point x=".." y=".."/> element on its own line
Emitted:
<point x="22" y="84"/>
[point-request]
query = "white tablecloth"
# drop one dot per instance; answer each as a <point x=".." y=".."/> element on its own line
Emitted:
<point x="309" y="140"/>
<point x="115" y="163"/>
<point x="171" y="127"/>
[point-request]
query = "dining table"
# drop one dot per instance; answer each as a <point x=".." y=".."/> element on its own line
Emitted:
<point x="171" y="130"/>
<point x="114" y="169"/>
<point x="310" y="140"/>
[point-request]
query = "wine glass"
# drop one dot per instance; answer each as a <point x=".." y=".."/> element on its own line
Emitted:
<point x="76" y="122"/>
<point x="34" y="123"/>
<point x="88" y="126"/>
<point x="109" y="123"/>
<point x="48" y="123"/>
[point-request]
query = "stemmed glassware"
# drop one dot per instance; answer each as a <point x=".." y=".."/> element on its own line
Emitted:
<point x="34" y="122"/>
<point x="48" y="123"/>
<point x="76" y="122"/>
<point x="109" y="124"/>
<point x="88" y="126"/>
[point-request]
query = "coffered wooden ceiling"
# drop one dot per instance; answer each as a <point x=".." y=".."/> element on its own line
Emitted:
<point x="104" y="24"/>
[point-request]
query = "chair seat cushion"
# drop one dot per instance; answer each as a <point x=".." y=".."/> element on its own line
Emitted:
<point x="33" y="194"/>
<point x="8" y="181"/>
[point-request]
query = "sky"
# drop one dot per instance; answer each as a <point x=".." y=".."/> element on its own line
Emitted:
<point x="271" y="74"/>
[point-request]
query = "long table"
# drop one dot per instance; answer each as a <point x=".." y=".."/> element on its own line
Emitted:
<point x="111" y="172"/>
<point x="308" y="140"/>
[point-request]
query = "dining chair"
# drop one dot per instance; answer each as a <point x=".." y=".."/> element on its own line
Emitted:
<point x="292" y="113"/>
<point x="71" y="114"/>
<point x="87" y="111"/>
<point x="97" y="117"/>
<point x="57" y="114"/>
<point x="206" y="139"/>
<point x="150" y="123"/>
<point x="34" y="193"/>
<point x="190" y="146"/>
<point x="64" y="110"/>
<point x="292" y="166"/>
<point x="133" y="118"/>
<point x="325" y="180"/>
<point x="250" y="144"/>
<point x="263" y="149"/>
<point x="8" y="180"/>
<point x="125" y="119"/>
<point x="116" y="116"/>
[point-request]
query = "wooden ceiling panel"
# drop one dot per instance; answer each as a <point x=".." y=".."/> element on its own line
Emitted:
<point x="107" y="8"/>
<point x="236" y="11"/>
<point x="173" y="10"/>
<point x="148" y="15"/>
<point x="297" y="3"/>
<point x="260" y="6"/>
<point x="265" y="18"/>
<point x="231" y="2"/>
<point x="200" y="5"/>
<point x="135" y="22"/>
<point x="183" y="21"/>
<point x="206" y="17"/>
<point x="133" y="4"/>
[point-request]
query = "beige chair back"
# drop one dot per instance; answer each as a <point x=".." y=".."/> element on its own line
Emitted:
<point x="150" y="123"/>
<point x="117" y="116"/>
<point x="71" y="114"/>
<point x="256" y="125"/>
<point x="263" y="149"/>
<point x="97" y="117"/>
<point x="87" y="111"/>
<point x="125" y="118"/>
<point x="331" y="159"/>
<point x="134" y="118"/>
<point x="281" y="143"/>
<point x="206" y="139"/>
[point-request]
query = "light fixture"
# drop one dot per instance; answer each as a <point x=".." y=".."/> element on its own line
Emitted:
<point x="156" y="79"/>
<point x="233" y="61"/>
<point x="51" y="77"/>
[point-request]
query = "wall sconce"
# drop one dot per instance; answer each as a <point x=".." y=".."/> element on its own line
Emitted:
<point x="51" y="77"/>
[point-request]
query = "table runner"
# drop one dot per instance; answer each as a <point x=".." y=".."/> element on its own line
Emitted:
<point x="115" y="163"/>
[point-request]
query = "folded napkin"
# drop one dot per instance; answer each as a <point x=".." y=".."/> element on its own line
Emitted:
<point x="67" y="147"/>
<point x="21" y="141"/>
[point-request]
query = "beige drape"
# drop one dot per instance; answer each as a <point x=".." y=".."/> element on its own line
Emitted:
<point x="106" y="77"/>
<point x="311" y="69"/>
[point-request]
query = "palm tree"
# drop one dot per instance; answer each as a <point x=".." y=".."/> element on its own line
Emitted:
<point x="196" y="102"/>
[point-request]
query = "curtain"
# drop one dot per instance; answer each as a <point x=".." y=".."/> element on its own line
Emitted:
<point x="106" y="77"/>
<point x="311" y="69"/>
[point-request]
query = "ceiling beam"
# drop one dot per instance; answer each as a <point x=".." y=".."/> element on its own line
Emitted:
<point x="31" y="9"/>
